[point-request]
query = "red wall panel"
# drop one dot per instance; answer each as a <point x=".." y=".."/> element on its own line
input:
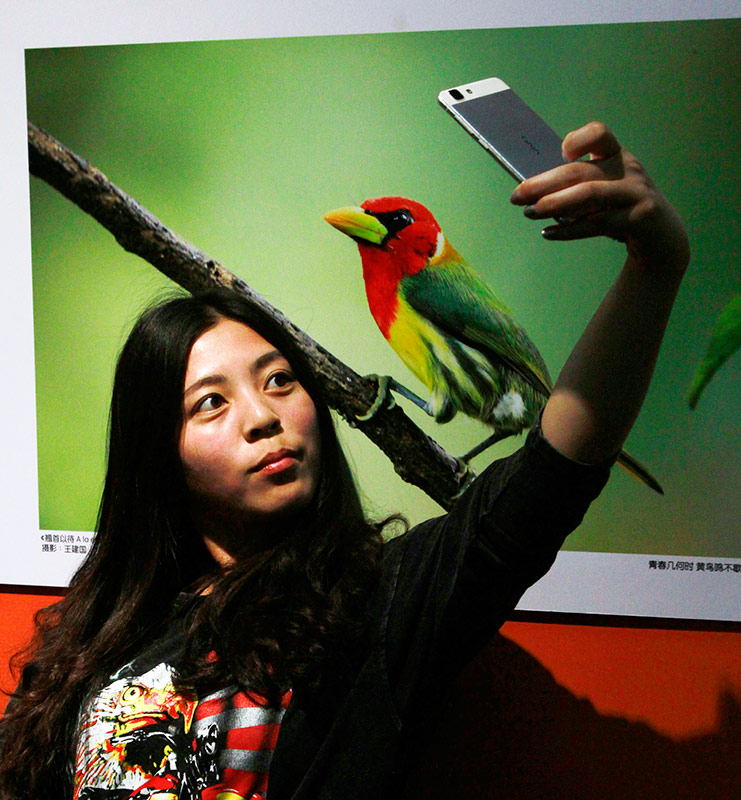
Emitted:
<point x="671" y="679"/>
<point x="16" y="630"/>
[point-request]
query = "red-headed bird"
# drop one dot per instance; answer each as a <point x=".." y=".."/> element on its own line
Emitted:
<point x="446" y="324"/>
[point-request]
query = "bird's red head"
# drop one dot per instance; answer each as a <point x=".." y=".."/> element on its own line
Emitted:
<point x="413" y="236"/>
<point x="396" y="237"/>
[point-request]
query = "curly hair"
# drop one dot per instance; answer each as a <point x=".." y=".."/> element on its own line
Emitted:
<point x="286" y="616"/>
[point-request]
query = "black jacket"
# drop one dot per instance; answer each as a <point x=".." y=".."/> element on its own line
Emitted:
<point x="447" y="585"/>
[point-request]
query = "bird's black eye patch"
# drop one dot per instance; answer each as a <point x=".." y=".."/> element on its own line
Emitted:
<point x="393" y="221"/>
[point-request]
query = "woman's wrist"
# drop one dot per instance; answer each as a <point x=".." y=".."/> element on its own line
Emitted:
<point x="658" y="244"/>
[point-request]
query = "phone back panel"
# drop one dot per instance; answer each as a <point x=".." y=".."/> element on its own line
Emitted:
<point x="513" y="132"/>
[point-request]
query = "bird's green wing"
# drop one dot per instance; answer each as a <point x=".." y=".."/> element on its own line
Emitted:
<point x="455" y="299"/>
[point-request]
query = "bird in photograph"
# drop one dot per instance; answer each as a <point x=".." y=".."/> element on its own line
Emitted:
<point x="447" y="325"/>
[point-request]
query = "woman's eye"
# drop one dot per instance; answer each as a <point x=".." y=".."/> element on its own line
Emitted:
<point x="280" y="380"/>
<point x="210" y="402"/>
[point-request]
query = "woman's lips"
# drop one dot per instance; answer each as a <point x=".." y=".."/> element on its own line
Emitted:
<point x="276" y="461"/>
<point x="278" y="466"/>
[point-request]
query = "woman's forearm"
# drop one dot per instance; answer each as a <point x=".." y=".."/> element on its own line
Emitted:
<point x="602" y="386"/>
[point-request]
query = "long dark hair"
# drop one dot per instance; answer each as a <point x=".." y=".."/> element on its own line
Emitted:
<point x="283" y="617"/>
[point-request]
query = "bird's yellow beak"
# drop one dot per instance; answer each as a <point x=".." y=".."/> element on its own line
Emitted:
<point x="357" y="224"/>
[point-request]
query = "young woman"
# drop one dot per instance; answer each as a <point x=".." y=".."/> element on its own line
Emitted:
<point x="239" y="630"/>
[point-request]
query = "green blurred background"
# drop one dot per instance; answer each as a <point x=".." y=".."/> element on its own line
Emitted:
<point x="241" y="146"/>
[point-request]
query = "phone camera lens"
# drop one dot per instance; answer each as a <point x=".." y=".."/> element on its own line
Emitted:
<point x="456" y="95"/>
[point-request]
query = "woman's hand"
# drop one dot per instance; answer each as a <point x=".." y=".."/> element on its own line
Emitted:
<point x="609" y="195"/>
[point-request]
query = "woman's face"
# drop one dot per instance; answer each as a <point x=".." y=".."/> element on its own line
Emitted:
<point x="250" y="443"/>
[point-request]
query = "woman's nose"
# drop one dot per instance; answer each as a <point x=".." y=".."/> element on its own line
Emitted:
<point x="259" y="419"/>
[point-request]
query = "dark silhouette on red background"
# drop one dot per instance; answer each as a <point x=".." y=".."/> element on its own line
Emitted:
<point x="509" y="731"/>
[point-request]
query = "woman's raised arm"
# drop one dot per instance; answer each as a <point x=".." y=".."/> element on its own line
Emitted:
<point x="604" y="381"/>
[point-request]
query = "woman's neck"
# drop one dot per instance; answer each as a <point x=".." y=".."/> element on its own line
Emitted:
<point x="227" y="536"/>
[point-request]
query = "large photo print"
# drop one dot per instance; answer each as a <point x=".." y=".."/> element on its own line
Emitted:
<point x="242" y="147"/>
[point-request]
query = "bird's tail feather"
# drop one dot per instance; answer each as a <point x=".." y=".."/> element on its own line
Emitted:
<point x="635" y="468"/>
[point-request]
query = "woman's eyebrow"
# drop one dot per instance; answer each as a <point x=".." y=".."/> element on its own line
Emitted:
<point x="207" y="380"/>
<point x="265" y="359"/>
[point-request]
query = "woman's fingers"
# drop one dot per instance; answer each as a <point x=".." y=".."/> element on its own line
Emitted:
<point x="533" y="189"/>
<point x="581" y="199"/>
<point x="579" y="173"/>
<point x="606" y="163"/>
<point x="609" y="195"/>
<point x="594" y="139"/>
<point x="588" y="227"/>
<point x="601" y="188"/>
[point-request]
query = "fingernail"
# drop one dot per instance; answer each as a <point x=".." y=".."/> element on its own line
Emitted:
<point x="530" y="212"/>
<point x="548" y="233"/>
<point x="515" y="196"/>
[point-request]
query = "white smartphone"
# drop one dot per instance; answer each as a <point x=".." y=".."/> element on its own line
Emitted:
<point x="502" y="123"/>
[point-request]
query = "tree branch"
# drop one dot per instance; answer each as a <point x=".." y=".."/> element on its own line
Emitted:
<point x="416" y="457"/>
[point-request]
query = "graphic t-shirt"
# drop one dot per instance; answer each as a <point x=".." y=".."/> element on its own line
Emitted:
<point x="139" y="738"/>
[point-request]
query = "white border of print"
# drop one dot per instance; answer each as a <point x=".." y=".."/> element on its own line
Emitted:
<point x="580" y="582"/>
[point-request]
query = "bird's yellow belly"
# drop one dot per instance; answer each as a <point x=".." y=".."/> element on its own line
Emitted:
<point x="416" y="341"/>
<point x="459" y="377"/>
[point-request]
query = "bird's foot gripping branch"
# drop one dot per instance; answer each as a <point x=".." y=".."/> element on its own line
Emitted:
<point x="384" y="398"/>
